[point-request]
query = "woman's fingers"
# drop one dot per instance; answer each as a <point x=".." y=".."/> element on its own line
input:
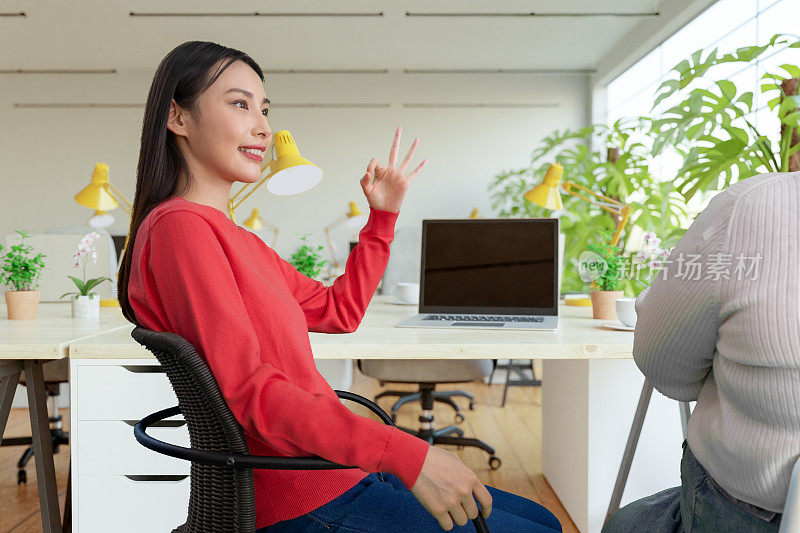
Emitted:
<point x="485" y="498"/>
<point x="419" y="167"/>
<point x="458" y="515"/>
<point x="395" y="147"/>
<point x="402" y="167"/>
<point x="371" y="167"/>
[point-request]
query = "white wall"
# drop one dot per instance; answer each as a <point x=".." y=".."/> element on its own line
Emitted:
<point x="47" y="154"/>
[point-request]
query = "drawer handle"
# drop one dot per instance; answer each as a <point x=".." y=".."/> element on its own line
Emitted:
<point x="163" y="477"/>
<point x="160" y="424"/>
<point x="144" y="369"/>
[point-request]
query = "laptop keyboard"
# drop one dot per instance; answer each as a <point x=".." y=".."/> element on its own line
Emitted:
<point x="486" y="318"/>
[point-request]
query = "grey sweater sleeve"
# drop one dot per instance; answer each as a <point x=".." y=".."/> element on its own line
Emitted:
<point x="678" y="316"/>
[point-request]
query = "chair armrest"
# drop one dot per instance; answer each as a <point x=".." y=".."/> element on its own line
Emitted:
<point x="235" y="460"/>
<point x="375" y="408"/>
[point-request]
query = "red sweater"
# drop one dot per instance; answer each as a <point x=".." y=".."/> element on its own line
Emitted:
<point x="248" y="313"/>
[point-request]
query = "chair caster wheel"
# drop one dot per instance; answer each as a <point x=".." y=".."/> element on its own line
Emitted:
<point x="22" y="477"/>
<point x="459" y="418"/>
<point x="494" y="462"/>
<point x="471" y="406"/>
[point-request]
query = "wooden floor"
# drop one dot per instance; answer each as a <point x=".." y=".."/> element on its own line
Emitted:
<point x="514" y="431"/>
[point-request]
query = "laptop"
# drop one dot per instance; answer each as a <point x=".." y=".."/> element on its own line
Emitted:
<point x="488" y="274"/>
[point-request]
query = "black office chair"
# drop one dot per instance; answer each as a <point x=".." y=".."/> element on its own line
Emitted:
<point x="222" y="492"/>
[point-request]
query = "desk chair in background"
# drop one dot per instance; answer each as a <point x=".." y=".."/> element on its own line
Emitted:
<point x="222" y="496"/>
<point x="403" y="266"/>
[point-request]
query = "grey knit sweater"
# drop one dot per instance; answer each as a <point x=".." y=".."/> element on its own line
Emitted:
<point x="727" y="334"/>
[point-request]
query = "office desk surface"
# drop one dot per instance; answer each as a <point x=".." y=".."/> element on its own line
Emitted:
<point x="49" y="334"/>
<point x="578" y="337"/>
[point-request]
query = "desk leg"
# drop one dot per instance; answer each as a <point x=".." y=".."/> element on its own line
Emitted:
<point x="630" y="449"/>
<point x="67" y="522"/>
<point x="9" y="377"/>
<point x="42" y="447"/>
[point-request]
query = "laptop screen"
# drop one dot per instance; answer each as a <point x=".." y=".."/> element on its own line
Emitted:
<point x="498" y="266"/>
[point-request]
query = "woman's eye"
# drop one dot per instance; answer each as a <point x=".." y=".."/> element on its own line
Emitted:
<point x="241" y="102"/>
<point x="266" y="112"/>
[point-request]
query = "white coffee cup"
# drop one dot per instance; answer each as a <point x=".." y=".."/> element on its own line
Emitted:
<point x="408" y="293"/>
<point x="626" y="312"/>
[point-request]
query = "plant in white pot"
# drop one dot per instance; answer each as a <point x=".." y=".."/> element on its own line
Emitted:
<point x="21" y="271"/>
<point x="86" y="304"/>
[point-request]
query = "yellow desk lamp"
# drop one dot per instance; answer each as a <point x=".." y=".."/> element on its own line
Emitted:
<point x="256" y="223"/>
<point x="354" y="219"/>
<point x="546" y="194"/>
<point x="98" y="196"/>
<point x="287" y="173"/>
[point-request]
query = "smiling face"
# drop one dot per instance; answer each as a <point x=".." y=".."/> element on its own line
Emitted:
<point x="227" y="139"/>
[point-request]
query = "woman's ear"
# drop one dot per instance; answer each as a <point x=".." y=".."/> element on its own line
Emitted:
<point x="177" y="120"/>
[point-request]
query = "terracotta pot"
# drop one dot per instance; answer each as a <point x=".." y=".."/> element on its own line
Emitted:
<point x="86" y="306"/>
<point x="604" y="304"/>
<point x="22" y="305"/>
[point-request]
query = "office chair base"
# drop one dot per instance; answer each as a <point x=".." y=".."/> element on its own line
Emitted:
<point x="442" y="436"/>
<point x="57" y="437"/>
<point x="438" y="396"/>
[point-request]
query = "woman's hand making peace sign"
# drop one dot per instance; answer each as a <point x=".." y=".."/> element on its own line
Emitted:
<point x="386" y="186"/>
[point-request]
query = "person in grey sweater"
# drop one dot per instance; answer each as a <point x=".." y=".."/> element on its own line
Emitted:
<point x="720" y="324"/>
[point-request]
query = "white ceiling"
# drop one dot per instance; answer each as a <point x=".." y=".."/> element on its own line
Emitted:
<point x="103" y="35"/>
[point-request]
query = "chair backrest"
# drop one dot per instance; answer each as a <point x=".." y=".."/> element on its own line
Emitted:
<point x="221" y="498"/>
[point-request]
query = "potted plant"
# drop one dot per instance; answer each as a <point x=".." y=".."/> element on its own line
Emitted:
<point x="306" y="260"/>
<point x="21" y="272"/>
<point x="601" y="265"/>
<point x="86" y="304"/>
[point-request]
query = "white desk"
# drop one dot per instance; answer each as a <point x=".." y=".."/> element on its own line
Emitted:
<point x="590" y="391"/>
<point x="27" y="344"/>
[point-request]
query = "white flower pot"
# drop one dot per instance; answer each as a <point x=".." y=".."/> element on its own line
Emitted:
<point x="86" y="306"/>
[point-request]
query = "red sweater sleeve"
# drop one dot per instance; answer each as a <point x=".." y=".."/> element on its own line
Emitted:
<point x="198" y="291"/>
<point x="341" y="307"/>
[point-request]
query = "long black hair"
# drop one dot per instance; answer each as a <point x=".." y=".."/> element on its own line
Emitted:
<point x="183" y="75"/>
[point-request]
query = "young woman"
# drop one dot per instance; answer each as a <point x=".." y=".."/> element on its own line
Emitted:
<point x="190" y="270"/>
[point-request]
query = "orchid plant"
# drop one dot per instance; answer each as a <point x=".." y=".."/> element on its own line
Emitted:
<point x="651" y="256"/>
<point x="86" y="249"/>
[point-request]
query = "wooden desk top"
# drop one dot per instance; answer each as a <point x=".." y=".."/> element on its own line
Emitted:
<point x="50" y="333"/>
<point x="578" y="337"/>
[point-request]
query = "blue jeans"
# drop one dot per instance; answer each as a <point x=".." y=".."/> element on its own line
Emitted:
<point x="381" y="503"/>
<point x="697" y="506"/>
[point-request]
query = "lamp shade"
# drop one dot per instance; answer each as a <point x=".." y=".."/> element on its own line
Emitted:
<point x="291" y="172"/>
<point x="96" y="195"/>
<point x="355" y="218"/>
<point x="254" y="222"/>
<point x="546" y="194"/>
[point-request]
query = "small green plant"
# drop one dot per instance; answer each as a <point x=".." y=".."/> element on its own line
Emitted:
<point x="21" y="271"/>
<point x="609" y="279"/>
<point x="86" y="247"/>
<point x="306" y="260"/>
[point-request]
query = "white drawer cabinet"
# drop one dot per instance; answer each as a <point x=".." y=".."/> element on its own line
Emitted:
<point x="118" y="484"/>
<point x="109" y="447"/>
<point x="122" y="391"/>
<point x="122" y="504"/>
